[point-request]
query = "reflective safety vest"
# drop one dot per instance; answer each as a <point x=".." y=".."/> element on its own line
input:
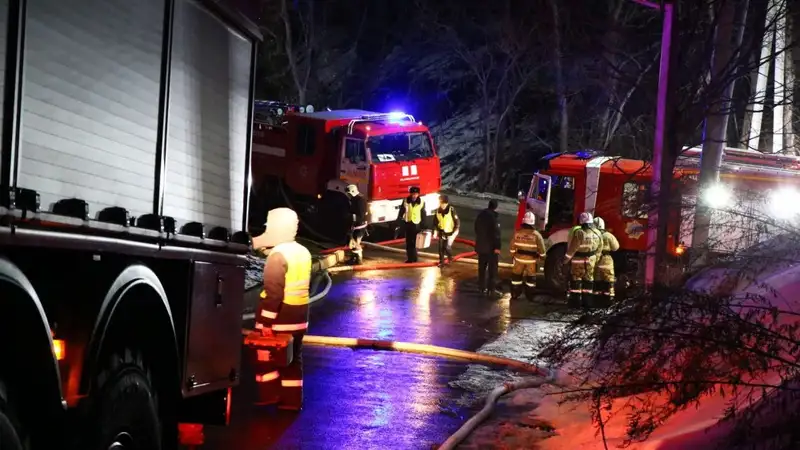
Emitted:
<point x="413" y="211"/>
<point x="528" y="246"/>
<point x="445" y="221"/>
<point x="298" y="272"/>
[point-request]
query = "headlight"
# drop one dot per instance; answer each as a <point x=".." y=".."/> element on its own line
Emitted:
<point x="718" y="196"/>
<point x="785" y="203"/>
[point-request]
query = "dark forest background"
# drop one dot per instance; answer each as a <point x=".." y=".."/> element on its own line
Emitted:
<point x="503" y="82"/>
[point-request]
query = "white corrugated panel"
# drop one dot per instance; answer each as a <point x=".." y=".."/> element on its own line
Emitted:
<point x="90" y="101"/>
<point x="3" y="35"/>
<point x="208" y="120"/>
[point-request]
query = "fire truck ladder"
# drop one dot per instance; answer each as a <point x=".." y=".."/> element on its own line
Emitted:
<point x="398" y="117"/>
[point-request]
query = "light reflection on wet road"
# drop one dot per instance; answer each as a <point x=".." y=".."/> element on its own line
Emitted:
<point x="368" y="399"/>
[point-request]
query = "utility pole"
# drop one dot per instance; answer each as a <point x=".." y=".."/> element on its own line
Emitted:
<point x="730" y="30"/>
<point x="668" y="9"/>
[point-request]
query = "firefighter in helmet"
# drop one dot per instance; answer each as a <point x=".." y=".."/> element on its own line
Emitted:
<point x="446" y="226"/>
<point x="527" y="249"/>
<point x="582" y="252"/>
<point x="283" y="309"/>
<point x="358" y="209"/>
<point x="604" y="271"/>
<point x="412" y="218"/>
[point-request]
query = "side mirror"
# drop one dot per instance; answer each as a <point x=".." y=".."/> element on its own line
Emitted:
<point x="520" y="195"/>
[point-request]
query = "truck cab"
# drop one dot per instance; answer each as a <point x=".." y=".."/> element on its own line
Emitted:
<point x="312" y="156"/>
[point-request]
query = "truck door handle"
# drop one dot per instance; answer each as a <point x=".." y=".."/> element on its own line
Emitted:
<point x="361" y="167"/>
<point x="220" y="290"/>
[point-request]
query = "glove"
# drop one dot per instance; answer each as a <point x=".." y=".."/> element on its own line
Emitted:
<point x="566" y="260"/>
<point x="435" y="234"/>
<point x="267" y="332"/>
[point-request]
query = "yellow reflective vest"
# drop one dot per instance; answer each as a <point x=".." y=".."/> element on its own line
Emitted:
<point x="413" y="211"/>
<point x="446" y="222"/>
<point x="298" y="272"/>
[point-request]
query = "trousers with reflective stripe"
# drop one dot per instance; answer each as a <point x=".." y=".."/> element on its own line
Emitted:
<point x="280" y="385"/>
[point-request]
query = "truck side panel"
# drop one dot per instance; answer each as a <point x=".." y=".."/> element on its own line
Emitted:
<point x="208" y="126"/>
<point x="90" y="101"/>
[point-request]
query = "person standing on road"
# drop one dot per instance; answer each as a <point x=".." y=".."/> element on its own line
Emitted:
<point x="582" y="252"/>
<point x="283" y="309"/>
<point x="527" y="249"/>
<point x="446" y="226"/>
<point x="487" y="245"/>
<point x="604" y="278"/>
<point x="358" y="209"/>
<point x="412" y="218"/>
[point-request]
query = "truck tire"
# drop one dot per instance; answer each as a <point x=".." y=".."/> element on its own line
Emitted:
<point x="9" y="438"/>
<point x="556" y="273"/>
<point x="124" y="408"/>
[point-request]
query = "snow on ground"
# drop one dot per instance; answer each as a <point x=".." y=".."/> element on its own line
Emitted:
<point x="522" y="341"/>
<point x="480" y="201"/>
<point x="254" y="272"/>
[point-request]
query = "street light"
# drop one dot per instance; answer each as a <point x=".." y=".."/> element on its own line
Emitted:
<point x="658" y="142"/>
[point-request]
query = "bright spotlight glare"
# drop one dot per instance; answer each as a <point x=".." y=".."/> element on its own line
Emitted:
<point x="718" y="196"/>
<point x="395" y="115"/>
<point x="785" y="203"/>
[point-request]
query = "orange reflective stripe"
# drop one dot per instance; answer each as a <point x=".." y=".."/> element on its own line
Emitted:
<point x="268" y="314"/>
<point x="579" y="260"/>
<point x="263" y="355"/>
<point x="525" y="245"/>
<point x="267" y="377"/>
<point x="290" y="326"/>
<point x="292" y="383"/>
<point x="263" y="294"/>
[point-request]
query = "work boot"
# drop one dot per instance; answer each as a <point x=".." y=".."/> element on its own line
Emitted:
<point x="516" y="291"/>
<point x="291" y="399"/>
<point x="587" y="299"/>
<point x="530" y="292"/>
<point x="573" y="298"/>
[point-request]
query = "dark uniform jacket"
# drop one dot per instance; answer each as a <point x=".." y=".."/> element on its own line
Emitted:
<point x="487" y="232"/>
<point x="358" y="209"/>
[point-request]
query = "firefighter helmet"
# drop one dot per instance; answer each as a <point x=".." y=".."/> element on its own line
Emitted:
<point x="600" y="223"/>
<point x="351" y="190"/>
<point x="585" y="218"/>
<point x="529" y="218"/>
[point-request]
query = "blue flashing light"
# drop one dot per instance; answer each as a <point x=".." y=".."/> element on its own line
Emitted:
<point x="583" y="154"/>
<point x="397" y="115"/>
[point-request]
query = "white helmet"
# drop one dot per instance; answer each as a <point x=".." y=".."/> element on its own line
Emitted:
<point x="585" y="218"/>
<point x="529" y="218"/>
<point x="352" y="190"/>
<point x="600" y="223"/>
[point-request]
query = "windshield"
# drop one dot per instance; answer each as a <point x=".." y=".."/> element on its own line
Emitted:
<point x="399" y="147"/>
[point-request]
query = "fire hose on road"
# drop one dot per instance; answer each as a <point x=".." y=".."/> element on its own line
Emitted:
<point x="385" y="246"/>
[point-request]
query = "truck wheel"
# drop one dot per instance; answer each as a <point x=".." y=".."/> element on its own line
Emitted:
<point x="124" y="408"/>
<point x="9" y="438"/>
<point x="555" y="272"/>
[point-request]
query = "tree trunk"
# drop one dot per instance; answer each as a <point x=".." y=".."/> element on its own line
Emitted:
<point x="609" y="118"/>
<point x="561" y="90"/>
<point x="788" y="88"/>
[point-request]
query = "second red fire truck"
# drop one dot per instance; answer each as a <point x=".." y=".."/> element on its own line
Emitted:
<point x="617" y="190"/>
<point x="306" y="159"/>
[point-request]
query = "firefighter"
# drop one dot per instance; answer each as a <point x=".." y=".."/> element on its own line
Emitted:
<point x="604" y="272"/>
<point x="582" y="252"/>
<point x="446" y="226"/>
<point x="358" y="209"/>
<point x="283" y="309"/>
<point x="412" y="218"/>
<point x="527" y="249"/>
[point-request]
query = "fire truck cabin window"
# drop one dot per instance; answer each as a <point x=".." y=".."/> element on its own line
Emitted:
<point x="634" y="200"/>
<point x="562" y="199"/>
<point x="354" y="151"/>
<point x="305" y="139"/>
<point x="399" y="147"/>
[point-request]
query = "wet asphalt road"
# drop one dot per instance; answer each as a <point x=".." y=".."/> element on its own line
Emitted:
<point x="367" y="399"/>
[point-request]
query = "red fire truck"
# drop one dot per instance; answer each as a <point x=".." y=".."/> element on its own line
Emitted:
<point x="616" y="189"/>
<point x="306" y="159"/>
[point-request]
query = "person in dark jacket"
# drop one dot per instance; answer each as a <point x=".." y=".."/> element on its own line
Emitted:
<point x="358" y="210"/>
<point x="412" y="218"/>
<point x="487" y="245"/>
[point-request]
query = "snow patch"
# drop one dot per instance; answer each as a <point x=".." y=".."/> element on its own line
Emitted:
<point x="522" y="342"/>
<point x="254" y="272"/>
